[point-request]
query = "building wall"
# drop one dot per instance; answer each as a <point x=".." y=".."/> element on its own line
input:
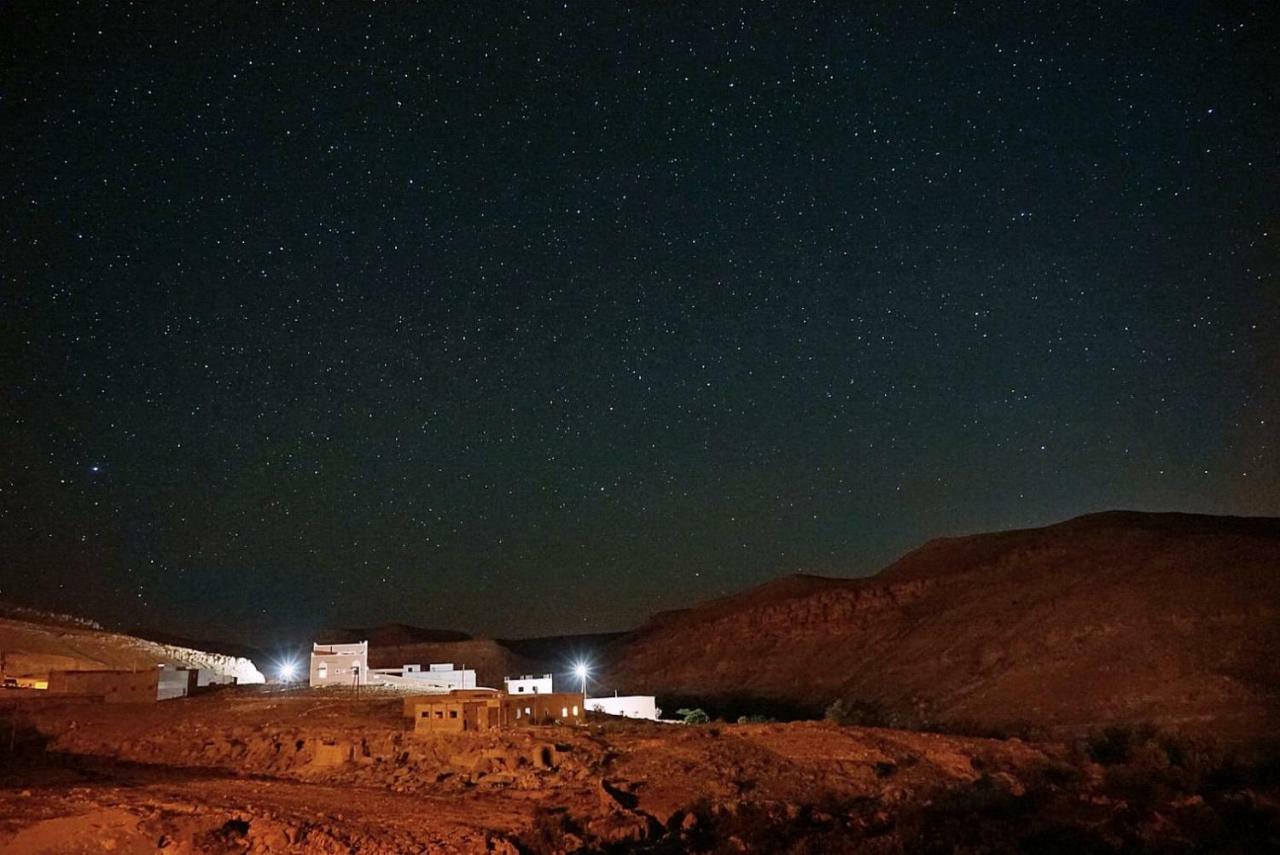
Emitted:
<point x="446" y="674"/>
<point x="483" y="709"/>
<point x="339" y="664"/>
<point x="630" y="706"/>
<point x="456" y="712"/>
<point x="209" y="677"/>
<point x="529" y="685"/>
<point x="442" y="678"/>
<point x="112" y="686"/>
<point x="551" y="708"/>
<point x="176" y="683"/>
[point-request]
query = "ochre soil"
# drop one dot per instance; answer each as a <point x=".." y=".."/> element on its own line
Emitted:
<point x="267" y="769"/>
<point x="270" y="770"/>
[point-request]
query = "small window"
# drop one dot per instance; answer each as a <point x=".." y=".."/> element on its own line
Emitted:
<point x="564" y="712"/>
<point x="575" y="709"/>
<point x="517" y="712"/>
<point x="527" y="711"/>
<point x="453" y="713"/>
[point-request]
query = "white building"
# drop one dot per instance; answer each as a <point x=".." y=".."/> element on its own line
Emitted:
<point x="439" y="676"/>
<point x="340" y="664"/>
<point x="528" y="685"/>
<point x="444" y="672"/>
<point x="628" y="706"/>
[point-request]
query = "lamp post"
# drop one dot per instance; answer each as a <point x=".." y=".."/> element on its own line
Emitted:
<point x="581" y="671"/>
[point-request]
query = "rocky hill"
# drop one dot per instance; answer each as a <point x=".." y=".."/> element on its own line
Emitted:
<point x="1167" y="618"/>
<point x="35" y="646"/>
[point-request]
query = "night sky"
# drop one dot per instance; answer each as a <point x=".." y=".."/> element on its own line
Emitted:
<point x="538" y="319"/>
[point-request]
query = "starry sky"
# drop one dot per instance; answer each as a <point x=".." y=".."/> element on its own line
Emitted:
<point x="538" y="318"/>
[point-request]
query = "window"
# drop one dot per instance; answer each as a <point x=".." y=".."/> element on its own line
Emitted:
<point x="564" y="712"/>
<point x="322" y="671"/>
<point x="453" y="713"/>
<point x="575" y="709"/>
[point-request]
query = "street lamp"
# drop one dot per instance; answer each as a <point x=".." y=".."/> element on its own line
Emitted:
<point x="581" y="671"/>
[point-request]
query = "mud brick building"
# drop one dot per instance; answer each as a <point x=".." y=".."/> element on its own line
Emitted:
<point x="113" y="687"/>
<point x="468" y="710"/>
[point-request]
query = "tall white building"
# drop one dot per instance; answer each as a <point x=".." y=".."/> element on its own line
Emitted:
<point x="340" y="664"/>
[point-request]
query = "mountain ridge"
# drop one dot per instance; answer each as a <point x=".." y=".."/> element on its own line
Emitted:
<point x="1118" y="616"/>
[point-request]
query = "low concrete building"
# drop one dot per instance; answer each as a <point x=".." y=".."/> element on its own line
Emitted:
<point x="175" y="683"/>
<point x="528" y="685"/>
<point x="182" y="682"/>
<point x="339" y="664"/>
<point x="466" y="710"/>
<point x="458" y="711"/>
<point x="111" y="686"/>
<point x="441" y="676"/>
<point x="549" y="708"/>
<point x="627" y="706"/>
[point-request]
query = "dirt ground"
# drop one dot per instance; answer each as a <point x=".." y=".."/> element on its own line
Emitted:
<point x="264" y="769"/>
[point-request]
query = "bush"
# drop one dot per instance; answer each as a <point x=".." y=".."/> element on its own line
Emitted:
<point x="755" y="719"/>
<point x="697" y="715"/>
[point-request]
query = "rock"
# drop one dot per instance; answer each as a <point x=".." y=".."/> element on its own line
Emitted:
<point x="1008" y="783"/>
<point x="620" y="828"/>
<point x="501" y="846"/>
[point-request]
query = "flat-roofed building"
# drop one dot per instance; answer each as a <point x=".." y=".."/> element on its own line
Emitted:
<point x="467" y="710"/>
<point x="528" y="684"/>
<point x="112" y="686"/>
<point x="340" y="664"/>
<point x="458" y="711"/>
<point x="548" y="708"/>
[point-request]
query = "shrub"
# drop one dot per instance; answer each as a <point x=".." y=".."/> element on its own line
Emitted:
<point x="755" y="719"/>
<point x="697" y="715"/>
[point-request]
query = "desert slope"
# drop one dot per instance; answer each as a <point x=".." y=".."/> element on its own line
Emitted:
<point x="1168" y="618"/>
<point x="34" y="648"/>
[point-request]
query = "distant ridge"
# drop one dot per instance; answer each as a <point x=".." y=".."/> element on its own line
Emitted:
<point x="1117" y="616"/>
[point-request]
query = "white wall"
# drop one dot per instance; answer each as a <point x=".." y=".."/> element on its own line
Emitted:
<point x="528" y="685"/>
<point x="342" y="663"/>
<point x="630" y="706"/>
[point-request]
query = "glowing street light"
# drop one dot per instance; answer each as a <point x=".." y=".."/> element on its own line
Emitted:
<point x="581" y="671"/>
<point x="288" y="671"/>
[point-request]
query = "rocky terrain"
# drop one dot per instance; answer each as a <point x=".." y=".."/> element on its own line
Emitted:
<point x="263" y="769"/>
<point x="33" y="646"/>
<point x="1119" y="617"/>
